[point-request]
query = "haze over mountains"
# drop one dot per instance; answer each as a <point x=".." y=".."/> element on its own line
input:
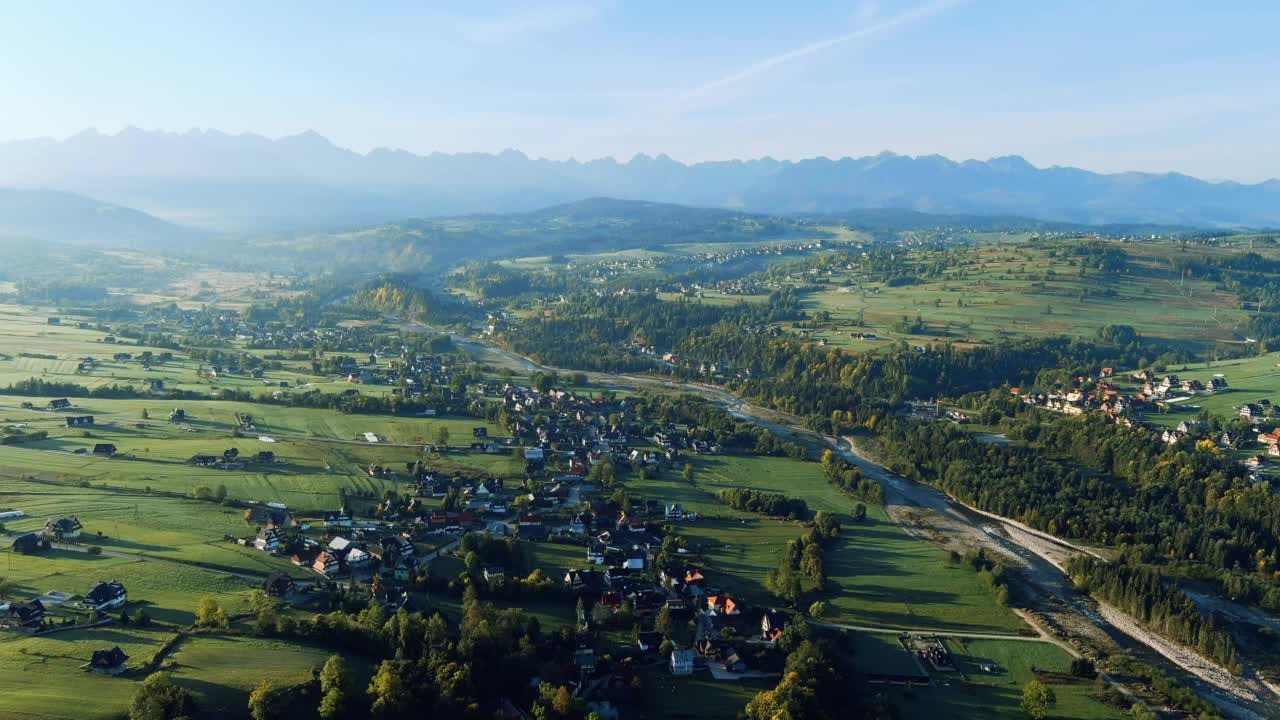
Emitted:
<point x="244" y="182"/>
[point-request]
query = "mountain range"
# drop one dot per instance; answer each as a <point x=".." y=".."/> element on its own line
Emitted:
<point x="246" y="182"/>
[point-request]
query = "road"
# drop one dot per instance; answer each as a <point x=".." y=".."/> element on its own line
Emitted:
<point x="927" y="631"/>
<point x="1038" y="557"/>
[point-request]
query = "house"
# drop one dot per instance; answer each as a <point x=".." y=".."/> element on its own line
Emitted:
<point x="674" y="512"/>
<point x="1217" y="383"/>
<point x="106" y="596"/>
<point x="358" y="558"/>
<point x="278" y="585"/>
<point x="1250" y="410"/>
<point x="177" y="415"/>
<point x="340" y="546"/>
<point x="108" y="662"/>
<point x="682" y="661"/>
<point x="575" y="579"/>
<point x="595" y="553"/>
<point x="326" y="563"/>
<point x="59" y="404"/>
<point x="772" y="623"/>
<point x="28" y="543"/>
<point x="338" y="518"/>
<point x="1271" y="437"/>
<point x="268" y="538"/>
<point x="1255" y="461"/>
<point x="585" y="660"/>
<point x="494" y="573"/>
<point x="532" y="532"/>
<point x="65" y="528"/>
<point x="26" y="615"/>
<point x="305" y="557"/>
<point x="721" y="605"/>
<point x="106" y="449"/>
<point x="734" y="663"/>
<point x="56" y="321"/>
<point x="648" y="641"/>
<point x="396" y="547"/>
<point x="79" y="420"/>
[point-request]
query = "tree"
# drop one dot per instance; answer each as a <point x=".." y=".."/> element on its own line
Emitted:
<point x="267" y="702"/>
<point x="859" y="512"/>
<point x="1037" y="699"/>
<point x="601" y="614"/>
<point x="336" y="688"/>
<point x="387" y="692"/>
<point x="664" y="624"/>
<point x="818" y="610"/>
<point x="687" y="472"/>
<point x="1140" y="711"/>
<point x="790" y="700"/>
<point x="442" y="436"/>
<point x="145" y="415"/>
<point x="209" y="614"/>
<point x="157" y="698"/>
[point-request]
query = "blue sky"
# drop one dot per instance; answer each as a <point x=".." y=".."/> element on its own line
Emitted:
<point x="1111" y="86"/>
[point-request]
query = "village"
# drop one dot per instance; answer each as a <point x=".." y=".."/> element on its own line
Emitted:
<point x="1252" y="429"/>
<point x="637" y="590"/>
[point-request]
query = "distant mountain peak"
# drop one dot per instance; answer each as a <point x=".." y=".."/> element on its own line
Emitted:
<point x="246" y="180"/>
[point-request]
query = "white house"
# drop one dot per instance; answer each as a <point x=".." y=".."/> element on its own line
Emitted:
<point x="106" y="596"/>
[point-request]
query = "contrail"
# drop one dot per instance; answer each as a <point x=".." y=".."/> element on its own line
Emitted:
<point x="919" y="13"/>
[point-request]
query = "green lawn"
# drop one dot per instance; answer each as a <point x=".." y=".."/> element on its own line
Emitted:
<point x="40" y="677"/>
<point x="877" y="574"/>
<point x="985" y="695"/>
<point x="222" y="670"/>
<point x="697" y="696"/>
<point x="153" y="526"/>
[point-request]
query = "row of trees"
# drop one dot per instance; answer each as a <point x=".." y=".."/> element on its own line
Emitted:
<point x="1086" y="478"/>
<point x="1142" y="592"/>
<point x="766" y="503"/>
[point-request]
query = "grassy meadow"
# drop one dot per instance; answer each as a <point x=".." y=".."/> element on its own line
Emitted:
<point x="996" y="291"/>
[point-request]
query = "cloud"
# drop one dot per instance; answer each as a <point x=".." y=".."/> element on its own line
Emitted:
<point x="516" y="27"/>
<point x="867" y="10"/>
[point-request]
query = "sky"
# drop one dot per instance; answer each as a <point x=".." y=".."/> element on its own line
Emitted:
<point x="1108" y="86"/>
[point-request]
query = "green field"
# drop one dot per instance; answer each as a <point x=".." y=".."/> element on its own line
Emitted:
<point x="1249" y="380"/>
<point x="318" y="451"/>
<point x="221" y="670"/>
<point x="1005" y="290"/>
<point x="40" y="677"/>
<point x="186" y="531"/>
<point x="980" y="694"/>
<point x="877" y="574"/>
